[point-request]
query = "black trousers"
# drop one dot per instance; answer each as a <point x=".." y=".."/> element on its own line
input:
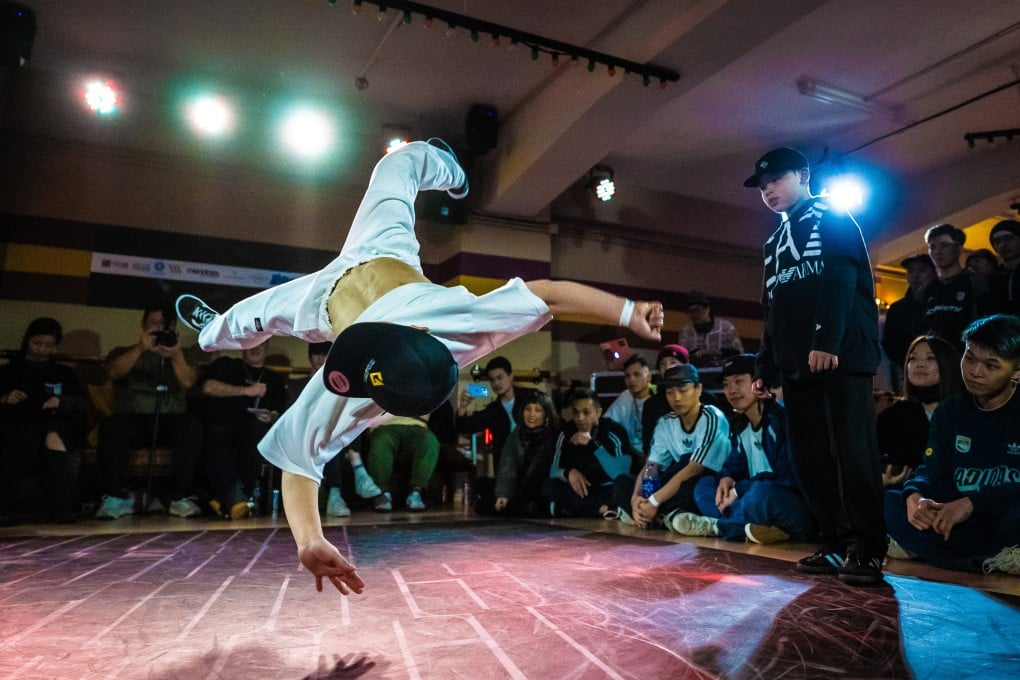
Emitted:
<point x="231" y="458"/>
<point x="831" y="425"/>
<point x="121" y="433"/>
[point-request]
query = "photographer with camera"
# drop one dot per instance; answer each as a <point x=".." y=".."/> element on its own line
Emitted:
<point x="150" y="383"/>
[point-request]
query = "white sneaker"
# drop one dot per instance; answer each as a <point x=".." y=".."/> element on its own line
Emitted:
<point x="1007" y="561"/>
<point x="689" y="524"/>
<point x="113" y="507"/>
<point x="624" y="516"/>
<point x="194" y="313"/>
<point x="414" y="501"/>
<point x="185" y="507"/>
<point x="364" y="485"/>
<point x="335" y="505"/>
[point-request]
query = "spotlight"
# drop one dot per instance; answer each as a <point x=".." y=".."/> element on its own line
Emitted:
<point x="101" y="97"/>
<point x="307" y="133"/>
<point x="600" y="181"/>
<point x="210" y="115"/>
<point x="845" y="192"/>
<point x="395" y="137"/>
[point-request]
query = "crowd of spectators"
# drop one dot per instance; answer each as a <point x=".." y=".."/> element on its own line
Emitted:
<point x="948" y="440"/>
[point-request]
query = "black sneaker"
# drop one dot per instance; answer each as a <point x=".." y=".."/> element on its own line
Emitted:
<point x="823" y="561"/>
<point x="194" y="313"/>
<point x="861" y="569"/>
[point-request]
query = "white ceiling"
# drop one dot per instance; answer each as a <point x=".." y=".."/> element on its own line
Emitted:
<point x="694" y="141"/>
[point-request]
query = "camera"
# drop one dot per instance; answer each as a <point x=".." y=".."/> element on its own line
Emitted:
<point x="165" y="338"/>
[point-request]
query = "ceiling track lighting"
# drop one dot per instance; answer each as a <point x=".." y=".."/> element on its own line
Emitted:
<point x="990" y="136"/>
<point x="538" y="44"/>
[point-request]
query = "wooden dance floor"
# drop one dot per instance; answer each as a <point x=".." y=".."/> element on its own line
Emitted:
<point x="474" y="600"/>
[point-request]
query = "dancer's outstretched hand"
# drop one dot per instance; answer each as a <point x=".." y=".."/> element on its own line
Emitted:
<point x="323" y="560"/>
<point x="647" y="320"/>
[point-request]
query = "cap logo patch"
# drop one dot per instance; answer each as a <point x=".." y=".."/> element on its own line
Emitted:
<point x="763" y="165"/>
<point x="338" y="382"/>
<point x="375" y="378"/>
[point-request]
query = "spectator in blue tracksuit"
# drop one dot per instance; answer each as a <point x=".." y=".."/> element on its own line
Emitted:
<point x="755" y="495"/>
<point x="591" y="452"/>
<point x="961" y="510"/>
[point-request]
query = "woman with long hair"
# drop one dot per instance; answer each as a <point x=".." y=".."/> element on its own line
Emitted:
<point x="931" y="373"/>
<point x="525" y="461"/>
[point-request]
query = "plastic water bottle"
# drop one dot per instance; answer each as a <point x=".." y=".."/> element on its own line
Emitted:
<point x="256" y="498"/>
<point x="276" y="503"/>
<point x="650" y="479"/>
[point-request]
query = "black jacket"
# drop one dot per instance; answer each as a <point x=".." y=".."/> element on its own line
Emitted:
<point x="818" y="294"/>
<point x="494" y="417"/>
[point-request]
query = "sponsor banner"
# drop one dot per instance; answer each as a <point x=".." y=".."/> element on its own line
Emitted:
<point x="196" y="272"/>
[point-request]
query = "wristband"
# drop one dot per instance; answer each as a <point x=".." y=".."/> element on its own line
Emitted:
<point x="626" y="312"/>
<point x="651" y="499"/>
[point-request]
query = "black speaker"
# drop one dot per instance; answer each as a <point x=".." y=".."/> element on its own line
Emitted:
<point x="481" y="128"/>
<point x="17" y="33"/>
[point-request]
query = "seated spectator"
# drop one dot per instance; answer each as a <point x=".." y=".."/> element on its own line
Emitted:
<point x="151" y="379"/>
<point x="689" y="443"/>
<point x="656" y="405"/>
<point x="932" y="374"/>
<point x="42" y="425"/>
<point x="626" y="410"/>
<point x="708" y="339"/>
<point x="525" y="463"/>
<point x="502" y="414"/>
<point x="345" y="467"/>
<point x="591" y="452"/>
<point x="961" y="510"/>
<point x="756" y="495"/>
<point x="402" y="437"/>
<point x="243" y="399"/>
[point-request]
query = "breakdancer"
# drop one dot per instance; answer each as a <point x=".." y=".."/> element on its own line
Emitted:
<point x="398" y="338"/>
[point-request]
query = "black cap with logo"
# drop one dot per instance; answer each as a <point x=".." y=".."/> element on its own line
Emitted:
<point x="777" y="160"/>
<point x="404" y="370"/>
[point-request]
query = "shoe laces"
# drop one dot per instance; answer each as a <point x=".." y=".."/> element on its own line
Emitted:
<point x="1007" y="561"/>
<point x="202" y="315"/>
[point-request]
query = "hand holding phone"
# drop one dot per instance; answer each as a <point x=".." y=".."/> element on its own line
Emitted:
<point x="477" y="390"/>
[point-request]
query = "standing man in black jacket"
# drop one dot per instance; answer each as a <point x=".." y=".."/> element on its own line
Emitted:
<point x="502" y="414"/>
<point x="820" y="344"/>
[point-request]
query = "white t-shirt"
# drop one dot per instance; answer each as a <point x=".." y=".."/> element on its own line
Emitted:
<point x="320" y="424"/>
<point x="708" y="443"/>
<point x="749" y="442"/>
<point x="626" y="411"/>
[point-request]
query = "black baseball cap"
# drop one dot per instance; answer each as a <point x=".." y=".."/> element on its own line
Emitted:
<point x="680" y="375"/>
<point x="777" y="160"/>
<point x="921" y="258"/>
<point x="739" y="365"/>
<point x="404" y="370"/>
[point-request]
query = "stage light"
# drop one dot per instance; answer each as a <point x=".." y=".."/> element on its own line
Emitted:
<point x="101" y="97"/>
<point x="210" y="115"/>
<point x="600" y="181"/>
<point x="307" y="133"/>
<point x="845" y="192"/>
<point x="395" y="137"/>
